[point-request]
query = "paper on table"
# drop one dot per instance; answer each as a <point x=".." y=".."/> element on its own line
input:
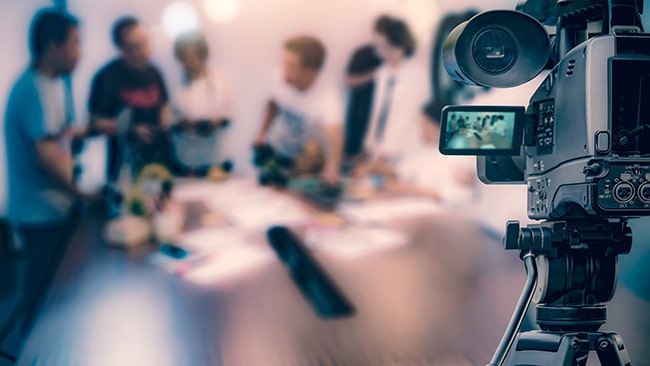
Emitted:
<point x="232" y="199"/>
<point x="189" y="191"/>
<point x="186" y="190"/>
<point x="371" y="212"/>
<point x="354" y="242"/>
<point x="235" y="193"/>
<point x="230" y="264"/>
<point x="264" y="214"/>
<point x="200" y="245"/>
<point x="211" y="239"/>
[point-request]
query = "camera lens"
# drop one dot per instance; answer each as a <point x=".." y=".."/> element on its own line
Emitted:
<point x="494" y="50"/>
<point x="644" y="192"/>
<point x="624" y="192"/>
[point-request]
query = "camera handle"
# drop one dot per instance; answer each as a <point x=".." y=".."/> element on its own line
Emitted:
<point x="573" y="336"/>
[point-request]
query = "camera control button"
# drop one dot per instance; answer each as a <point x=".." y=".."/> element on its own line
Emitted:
<point x="602" y="142"/>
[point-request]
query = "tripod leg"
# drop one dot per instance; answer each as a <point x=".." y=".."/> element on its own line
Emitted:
<point x="612" y="351"/>
<point x="519" y="313"/>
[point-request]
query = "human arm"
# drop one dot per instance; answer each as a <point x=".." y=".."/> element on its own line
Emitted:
<point x="103" y="125"/>
<point x="103" y="105"/>
<point x="166" y="116"/>
<point x="332" y="169"/>
<point x="355" y="80"/>
<point x="50" y="139"/>
<point x="144" y="131"/>
<point x="269" y="115"/>
<point x="57" y="163"/>
<point x="362" y="66"/>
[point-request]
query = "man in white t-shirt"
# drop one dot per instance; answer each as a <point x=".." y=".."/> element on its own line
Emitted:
<point x="303" y="119"/>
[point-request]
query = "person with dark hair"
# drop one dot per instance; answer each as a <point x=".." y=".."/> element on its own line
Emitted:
<point x="361" y="86"/>
<point x="398" y="102"/>
<point x="305" y="113"/>
<point x="202" y="109"/>
<point x="130" y="90"/>
<point x="43" y="197"/>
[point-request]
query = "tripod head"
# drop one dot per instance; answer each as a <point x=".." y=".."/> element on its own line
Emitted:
<point x="577" y="262"/>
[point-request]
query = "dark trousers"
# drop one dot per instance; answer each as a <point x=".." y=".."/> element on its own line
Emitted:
<point x="42" y="250"/>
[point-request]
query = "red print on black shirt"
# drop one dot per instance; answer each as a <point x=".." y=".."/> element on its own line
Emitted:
<point x="141" y="98"/>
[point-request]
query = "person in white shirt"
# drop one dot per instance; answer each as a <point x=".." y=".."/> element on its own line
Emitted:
<point x="303" y="119"/>
<point x="202" y="109"/>
<point x="398" y="103"/>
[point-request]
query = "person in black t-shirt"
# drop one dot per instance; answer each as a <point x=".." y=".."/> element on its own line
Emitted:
<point x="360" y="81"/>
<point x="131" y="83"/>
<point x="361" y="86"/>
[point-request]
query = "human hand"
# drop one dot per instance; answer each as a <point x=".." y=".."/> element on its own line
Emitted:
<point x="331" y="177"/>
<point x="143" y="133"/>
<point x="361" y="170"/>
<point x="383" y="168"/>
<point x="219" y="121"/>
<point x="259" y="140"/>
<point x="77" y="132"/>
<point x="106" y="126"/>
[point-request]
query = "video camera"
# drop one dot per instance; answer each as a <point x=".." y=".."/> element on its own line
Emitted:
<point x="582" y="146"/>
<point x="583" y="143"/>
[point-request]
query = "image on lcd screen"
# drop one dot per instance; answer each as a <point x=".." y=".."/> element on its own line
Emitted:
<point x="479" y="130"/>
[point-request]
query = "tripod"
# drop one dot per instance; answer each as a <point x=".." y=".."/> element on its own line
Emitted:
<point x="577" y="262"/>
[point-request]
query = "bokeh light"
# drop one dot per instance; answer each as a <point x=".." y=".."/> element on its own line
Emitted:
<point x="178" y="17"/>
<point x="221" y="11"/>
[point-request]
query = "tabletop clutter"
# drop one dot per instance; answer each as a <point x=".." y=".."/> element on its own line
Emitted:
<point x="232" y="213"/>
<point x="148" y="210"/>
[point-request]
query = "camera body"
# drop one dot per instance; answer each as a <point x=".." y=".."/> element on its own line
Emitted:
<point x="584" y="147"/>
<point x="576" y="122"/>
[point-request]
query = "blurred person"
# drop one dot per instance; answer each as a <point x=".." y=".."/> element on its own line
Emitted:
<point x="202" y="110"/>
<point x="398" y="103"/>
<point x="130" y="85"/>
<point x="303" y="117"/>
<point x="43" y="198"/>
<point x="360" y="82"/>
<point x="449" y="179"/>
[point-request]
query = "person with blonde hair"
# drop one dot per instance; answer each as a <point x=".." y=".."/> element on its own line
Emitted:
<point x="202" y="108"/>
